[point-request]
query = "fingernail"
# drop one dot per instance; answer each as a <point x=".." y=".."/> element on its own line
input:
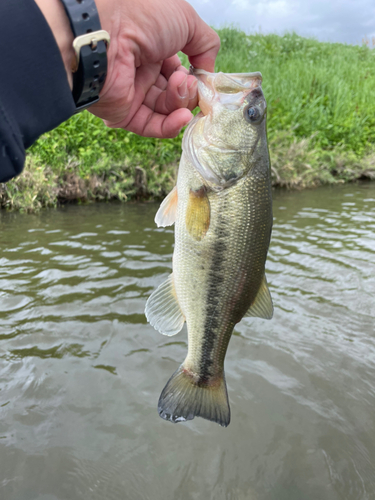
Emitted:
<point x="182" y="88"/>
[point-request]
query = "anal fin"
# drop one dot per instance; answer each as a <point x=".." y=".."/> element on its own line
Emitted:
<point x="163" y="311"/>
<point x="166" y="215"/>
<point x="262" y="306"/>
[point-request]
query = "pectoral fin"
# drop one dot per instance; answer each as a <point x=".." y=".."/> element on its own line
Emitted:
<point x="163" y="311"/>
<point x="166" y="215"/>
<point x="198" y="213"/>
<point x="262" y="306"/>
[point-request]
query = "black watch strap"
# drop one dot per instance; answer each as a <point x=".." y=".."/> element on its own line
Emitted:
<point x="90" y="45"/>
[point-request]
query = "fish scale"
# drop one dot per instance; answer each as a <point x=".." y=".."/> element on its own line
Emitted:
<point x="222" y="210"/>
<point x="245" y="205"/>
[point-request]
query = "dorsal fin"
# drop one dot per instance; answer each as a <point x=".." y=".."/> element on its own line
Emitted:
<point x="166" y="215"/>
<point x="163" y="311"/>
<point x="262" y="306"/>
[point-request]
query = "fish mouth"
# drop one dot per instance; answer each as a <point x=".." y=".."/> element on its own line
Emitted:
<point x="229" y="88"/>
<point x="242" y="80"/>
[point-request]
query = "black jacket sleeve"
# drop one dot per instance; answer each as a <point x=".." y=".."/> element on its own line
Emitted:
<point x="34" y="93"/>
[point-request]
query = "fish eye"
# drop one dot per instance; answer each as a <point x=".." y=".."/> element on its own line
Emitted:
<point x="252" y="114"/>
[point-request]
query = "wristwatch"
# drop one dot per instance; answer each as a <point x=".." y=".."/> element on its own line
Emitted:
<point x="90" y="47"/>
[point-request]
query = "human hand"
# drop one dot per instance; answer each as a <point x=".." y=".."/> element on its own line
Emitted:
<point x="147" y="91"/>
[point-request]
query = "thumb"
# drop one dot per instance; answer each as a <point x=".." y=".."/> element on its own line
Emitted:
<point x="203" y="42"/>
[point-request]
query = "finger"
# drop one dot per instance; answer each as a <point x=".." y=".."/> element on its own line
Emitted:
<point x="204" y="42"/>
<point x="171" y="65"/>
<point x="161" y="82"/>
<point x="193" y="93"/>
<point x="146" y="76"/>
<point x="152" y="97"/>
<point x="181" y="92"/>
<point x="150" y="124"/>
<point x="175" y="96"/>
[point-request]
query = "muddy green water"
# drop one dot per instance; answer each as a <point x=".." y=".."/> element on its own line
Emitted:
<point x="81" y="371"/>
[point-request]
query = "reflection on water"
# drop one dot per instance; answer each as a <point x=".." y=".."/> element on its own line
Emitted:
<point x="81" y="371"/>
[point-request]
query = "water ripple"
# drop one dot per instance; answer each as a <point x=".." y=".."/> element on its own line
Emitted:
<point x="81" y="371"/>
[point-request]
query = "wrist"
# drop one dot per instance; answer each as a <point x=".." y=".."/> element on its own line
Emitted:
<point x="57" y="19"/>
<point x="110" y="17"/>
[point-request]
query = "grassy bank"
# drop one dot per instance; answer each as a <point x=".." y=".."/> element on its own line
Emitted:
<point x="321" y="129"/>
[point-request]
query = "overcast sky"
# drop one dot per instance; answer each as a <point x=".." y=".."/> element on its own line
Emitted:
<point x="346" y="21"/>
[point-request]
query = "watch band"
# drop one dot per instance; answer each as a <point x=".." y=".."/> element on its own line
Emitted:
<point x="90" y="45"/>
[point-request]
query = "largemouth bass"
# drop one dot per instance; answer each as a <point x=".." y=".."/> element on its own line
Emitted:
<point x="222" y="210"/>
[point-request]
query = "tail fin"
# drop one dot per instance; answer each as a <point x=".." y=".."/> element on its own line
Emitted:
<point x="183" y="399"/>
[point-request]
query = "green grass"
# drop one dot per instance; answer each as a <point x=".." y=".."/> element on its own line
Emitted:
<point x="321" y="128"/>
<point x="315" y="89"/>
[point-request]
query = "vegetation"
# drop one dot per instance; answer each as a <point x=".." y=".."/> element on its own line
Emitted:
<point x="321" y="129"/>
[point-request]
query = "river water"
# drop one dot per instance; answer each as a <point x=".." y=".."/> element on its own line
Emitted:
<point x="81" y="371"/>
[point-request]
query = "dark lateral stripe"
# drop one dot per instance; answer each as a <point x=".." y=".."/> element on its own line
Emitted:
<point x="215" y="279"/>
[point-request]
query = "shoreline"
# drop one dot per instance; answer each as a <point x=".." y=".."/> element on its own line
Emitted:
<point x="293" y="166"/>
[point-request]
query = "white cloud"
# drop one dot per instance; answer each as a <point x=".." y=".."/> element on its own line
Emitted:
<point x="273" y="9"/>
<point x="241" y="4"/>
<point x="328" y="20"/>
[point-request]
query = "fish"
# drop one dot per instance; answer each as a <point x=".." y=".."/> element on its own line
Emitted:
<point x="222" y="210"/>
